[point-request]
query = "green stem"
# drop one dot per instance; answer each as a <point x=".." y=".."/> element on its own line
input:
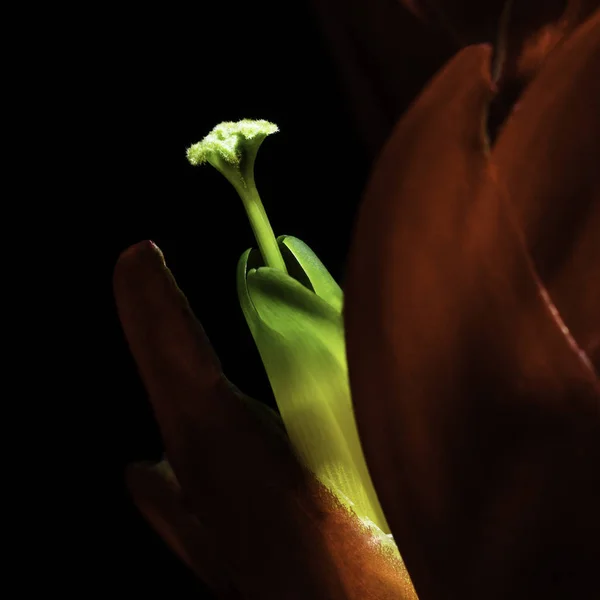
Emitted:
<point x="241" y="177"/>
<point x="231" y="149"/>
<point x="261" y="227"/>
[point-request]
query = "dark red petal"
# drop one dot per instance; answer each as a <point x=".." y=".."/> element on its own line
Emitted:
<point x="159" y="497"/>
<point x="385" y="55"/>
<point x="548" y="157"/>
<point x="478" y="415"/>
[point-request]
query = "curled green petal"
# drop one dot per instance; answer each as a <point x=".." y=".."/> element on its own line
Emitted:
<point x="301" y="342"/>
<point x="321" y="282"/>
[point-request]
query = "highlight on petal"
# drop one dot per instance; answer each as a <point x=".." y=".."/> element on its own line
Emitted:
<point x="478" y="416"/>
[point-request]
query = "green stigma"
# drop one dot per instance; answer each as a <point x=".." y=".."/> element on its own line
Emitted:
<point x="229" y="141"/>
<point x="231" y="148"/>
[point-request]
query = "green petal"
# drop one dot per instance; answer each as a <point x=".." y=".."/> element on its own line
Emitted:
<point x="323" y="284"/>
<point x="301" y="341"/>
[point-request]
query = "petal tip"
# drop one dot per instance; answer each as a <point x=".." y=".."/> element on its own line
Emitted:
<point x="143" y="253"/>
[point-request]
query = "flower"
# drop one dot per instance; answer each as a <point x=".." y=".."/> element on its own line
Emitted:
<point x="473" y="363"/>
<point x="314" y="483"/>
<point x="294" y="310"/>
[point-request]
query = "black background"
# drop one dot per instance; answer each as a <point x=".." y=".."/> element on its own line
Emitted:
<point x="151" y="83"/>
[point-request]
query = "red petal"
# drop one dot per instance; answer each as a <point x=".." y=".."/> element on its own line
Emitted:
<point x="548" y="157"/>
<point x="478" y="416"/>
